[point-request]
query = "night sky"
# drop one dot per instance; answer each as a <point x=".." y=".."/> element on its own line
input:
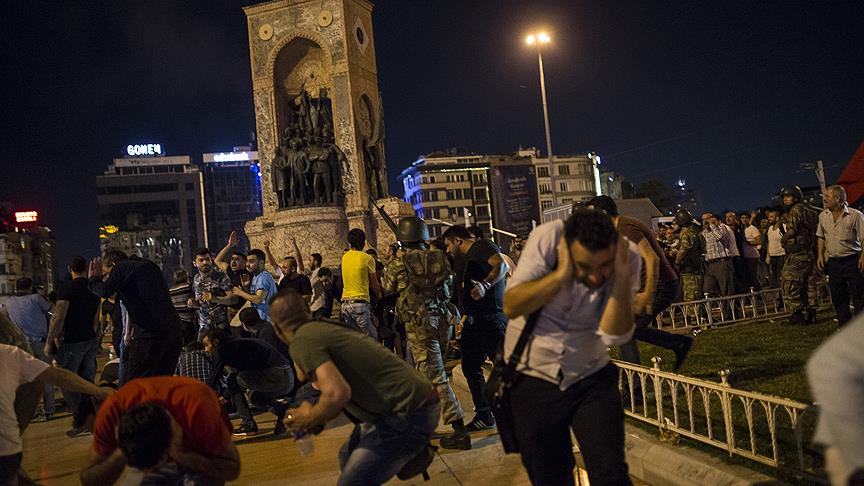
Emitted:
<point x="729" y="95"/>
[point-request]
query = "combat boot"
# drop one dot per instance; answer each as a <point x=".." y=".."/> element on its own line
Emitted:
<point x="460" y="438"/>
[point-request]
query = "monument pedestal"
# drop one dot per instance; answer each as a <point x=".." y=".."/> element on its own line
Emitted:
<point x="321" y="230"/>
<point x="324" y="229"/>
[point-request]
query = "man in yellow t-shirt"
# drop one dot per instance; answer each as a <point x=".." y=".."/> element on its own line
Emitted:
<point x="358" y="276"/>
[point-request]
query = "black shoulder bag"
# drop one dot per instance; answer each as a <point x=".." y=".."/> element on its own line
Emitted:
<point x="497" y="390"/>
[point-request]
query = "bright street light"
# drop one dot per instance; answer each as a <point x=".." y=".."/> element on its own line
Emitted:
<point x="542" y="38"/>
<point x="537" y="39"/>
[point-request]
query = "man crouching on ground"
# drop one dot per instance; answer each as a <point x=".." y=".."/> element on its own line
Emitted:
<point x="170" y="428"/>
<point x="395" y="408"/>
<point x="581" y="276"/>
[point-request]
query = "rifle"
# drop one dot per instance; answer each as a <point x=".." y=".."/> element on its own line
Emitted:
<point x="385" y="217"/>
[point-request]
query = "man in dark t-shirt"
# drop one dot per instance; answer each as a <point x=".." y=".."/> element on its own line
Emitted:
<point x="660" y="286"/>
<point x="74" y="323"/>
<point x="156" y="339"/>
<point x="395" y="408"/>
<point x="258" y="367"/>
<point x="480" y="287"/>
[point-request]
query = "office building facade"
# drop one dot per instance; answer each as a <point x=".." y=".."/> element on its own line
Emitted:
<point x="153" y="207"/>
<point x="232" y="191"/>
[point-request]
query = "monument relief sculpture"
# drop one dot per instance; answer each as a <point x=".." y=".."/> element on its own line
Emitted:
<point x="306" y="155"/>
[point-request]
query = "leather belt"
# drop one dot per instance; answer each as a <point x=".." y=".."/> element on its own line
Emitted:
<point x="718" y="260"/>
<point x="354" y="301"/>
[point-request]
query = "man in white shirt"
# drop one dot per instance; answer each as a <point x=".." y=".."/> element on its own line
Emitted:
<point x="838" y="239"/>
<point x="581" y="275"/>
<point x="776" y="254"/>
<point x="750" y="252"/>
<point x="20" y="368"/>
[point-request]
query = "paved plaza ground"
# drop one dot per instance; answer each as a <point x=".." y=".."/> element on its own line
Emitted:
<point x="53" y="459"/>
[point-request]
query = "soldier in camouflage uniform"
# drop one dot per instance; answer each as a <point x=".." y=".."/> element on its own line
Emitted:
<point x="689" y="258"/>
<point x="421" y="276"/>
<point x="799" y="241"/>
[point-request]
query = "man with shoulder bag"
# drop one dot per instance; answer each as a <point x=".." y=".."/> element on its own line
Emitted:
<point x="576" y="279"/>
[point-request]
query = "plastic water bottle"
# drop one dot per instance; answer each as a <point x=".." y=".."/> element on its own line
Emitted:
<point x="305" y="443"/>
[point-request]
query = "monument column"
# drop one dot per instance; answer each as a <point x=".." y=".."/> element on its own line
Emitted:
<point x="320" y="125"/>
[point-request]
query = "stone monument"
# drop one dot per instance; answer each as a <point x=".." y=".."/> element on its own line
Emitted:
<point x="320" y="126"/>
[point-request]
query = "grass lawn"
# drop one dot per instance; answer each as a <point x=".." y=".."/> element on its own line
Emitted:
<point x="767" y="357"/>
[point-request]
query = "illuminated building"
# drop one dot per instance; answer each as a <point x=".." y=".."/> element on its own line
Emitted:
<point x="153" y="207"/>
<point x="27" y="249"/>
<point x="232" y="190"/>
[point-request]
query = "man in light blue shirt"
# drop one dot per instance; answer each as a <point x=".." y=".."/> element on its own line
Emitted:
<point x="263" y="286"/>
<point x="581" y="276"/>
<point x="29" y="312"/>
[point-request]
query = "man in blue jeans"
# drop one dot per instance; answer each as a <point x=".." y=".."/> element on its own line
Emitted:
<point x="29" y="311"/>
<point x="395" y="408"/>
<point x="74" y="324"/>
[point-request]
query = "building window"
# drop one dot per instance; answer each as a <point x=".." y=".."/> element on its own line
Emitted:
<point x="545" y="189"/>
<point x="563" y="170"/>
<point x="189" y="186"/>
<point x="451" y="195"/>
<point x="562" y="186"/>
<point x="482" y="211"/>
<point x="436" y="213"/>
<point x="480" y="195"/>
<point x="545" y="204"/>
<point x="479" y="178"/>
<point x="432" y="179"/>
<point x="542" y="171"/>
<point x="567" y="200"/>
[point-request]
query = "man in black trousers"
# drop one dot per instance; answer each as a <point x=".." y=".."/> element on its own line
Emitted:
<point x="156" y="335"/>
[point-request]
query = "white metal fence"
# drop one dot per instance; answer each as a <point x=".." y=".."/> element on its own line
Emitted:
<point x="756" y="426"/>
<point x="713" y="311"/>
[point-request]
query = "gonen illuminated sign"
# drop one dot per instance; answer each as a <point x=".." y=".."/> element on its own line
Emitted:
<point x="144" y="149"/>
<point x="26" y="217"/>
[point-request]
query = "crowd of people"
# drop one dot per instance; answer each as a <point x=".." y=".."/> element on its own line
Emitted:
<point x="371" y="337"/>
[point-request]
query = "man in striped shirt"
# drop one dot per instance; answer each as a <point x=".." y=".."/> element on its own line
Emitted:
<point x="719" y="273"/>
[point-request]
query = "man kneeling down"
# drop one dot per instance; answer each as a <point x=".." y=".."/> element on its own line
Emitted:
<point x="171" y="429"/>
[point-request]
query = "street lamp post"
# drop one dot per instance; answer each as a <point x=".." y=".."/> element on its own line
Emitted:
<point x="536" y="40"/>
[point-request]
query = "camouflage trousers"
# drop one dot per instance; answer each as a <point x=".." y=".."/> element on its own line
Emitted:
<point x="798" y="281"/>
<point x="428" y="342"/>
<point x="691" y="285"/>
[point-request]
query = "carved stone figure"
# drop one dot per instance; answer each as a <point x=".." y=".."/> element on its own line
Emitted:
<point x="336" y="160"/>
<point x="322" y="185"/>
<point x="307" y="156"/>
<point x="278" y="177"/>
<point x="297" y="164"/>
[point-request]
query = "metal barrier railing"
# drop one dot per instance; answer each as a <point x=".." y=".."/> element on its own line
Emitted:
<point x="713" y="311"/>
<point x="752" y="425"/>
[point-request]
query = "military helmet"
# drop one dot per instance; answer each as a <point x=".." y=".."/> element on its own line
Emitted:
<point x="793" y="191"/>
<point x="683" y="218"/>
<point x="412" y="230"/>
